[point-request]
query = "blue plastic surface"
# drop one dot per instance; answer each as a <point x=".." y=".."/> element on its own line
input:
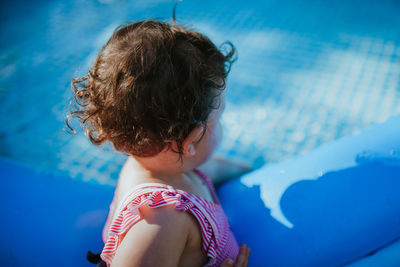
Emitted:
<point x="49" y="220"/>
<point x="326" y="208"/>
<point x="388" y="256"/>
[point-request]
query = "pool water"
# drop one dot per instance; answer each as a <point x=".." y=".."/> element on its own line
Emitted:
<point x="308" y="72"/>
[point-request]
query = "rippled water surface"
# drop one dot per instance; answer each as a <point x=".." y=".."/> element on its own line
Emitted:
<point x="308" y="72"/>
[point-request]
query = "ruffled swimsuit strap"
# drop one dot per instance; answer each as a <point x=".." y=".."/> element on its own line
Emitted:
<point x="156" y="195"/>
<point x="209" y="184"/>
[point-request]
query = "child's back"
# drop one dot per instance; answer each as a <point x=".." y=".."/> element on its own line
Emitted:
<point x="156" y="93"/>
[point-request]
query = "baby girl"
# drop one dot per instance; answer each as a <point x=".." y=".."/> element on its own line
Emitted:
<point x="156" y="93"/>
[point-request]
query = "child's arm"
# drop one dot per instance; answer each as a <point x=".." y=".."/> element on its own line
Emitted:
<point x="157" y="240"/>
<point x="221" y="170"/>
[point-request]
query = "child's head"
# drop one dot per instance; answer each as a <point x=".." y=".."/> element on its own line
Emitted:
<point x="150" y="86"/>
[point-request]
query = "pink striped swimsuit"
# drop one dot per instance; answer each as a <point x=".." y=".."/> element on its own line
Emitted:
<point x="218" y="241"/>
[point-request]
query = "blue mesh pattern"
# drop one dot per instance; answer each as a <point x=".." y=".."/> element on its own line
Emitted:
<point x="308" y="72"/>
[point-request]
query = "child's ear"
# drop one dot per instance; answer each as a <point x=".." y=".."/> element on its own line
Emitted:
<point x="195" y="135"/>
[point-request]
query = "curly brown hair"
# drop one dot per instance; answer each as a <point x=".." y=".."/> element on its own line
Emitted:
<point x="151" y="84"/>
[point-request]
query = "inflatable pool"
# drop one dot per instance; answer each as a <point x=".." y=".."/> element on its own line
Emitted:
<point x="330" y="207"/>
<point x="49" y="220"/>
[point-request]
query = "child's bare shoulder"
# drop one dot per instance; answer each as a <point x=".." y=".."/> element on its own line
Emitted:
<point x="170" y="234"/>
<point x="158" y="239"/>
